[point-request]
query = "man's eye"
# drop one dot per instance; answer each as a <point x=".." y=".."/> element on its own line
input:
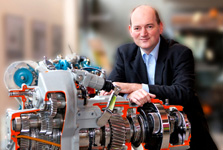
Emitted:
<point x="150" y="26"/>
<point x="136" y="28"/>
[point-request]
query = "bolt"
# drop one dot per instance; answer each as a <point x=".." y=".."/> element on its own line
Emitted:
<point x="22" y="77"/>
<point x="79" y="77"/>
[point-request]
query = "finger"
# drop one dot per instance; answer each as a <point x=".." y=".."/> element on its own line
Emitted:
<point x="137" y="97"/>
<point x="152" y="95"/>
<point x="101" y="93"/>
<point x="146" y="96"/>
<point x="140" y="98"/>
<point x="133" y="100"/>
<point x="143" y="96"/>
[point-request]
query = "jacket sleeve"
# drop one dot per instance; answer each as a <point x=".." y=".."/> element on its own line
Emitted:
<point x="180" y="88"/>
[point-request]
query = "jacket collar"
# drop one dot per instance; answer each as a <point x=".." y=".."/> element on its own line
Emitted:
<point x="163" y="49"/>
<point x="139" y="66"/>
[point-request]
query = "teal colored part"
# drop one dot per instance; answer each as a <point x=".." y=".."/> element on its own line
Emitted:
<point x="62" y="65"/>
<point x="23" y="75"/>
<point x="35" y="74"/>
<point x="20" y="107"/>
<point x="85" y="64"/>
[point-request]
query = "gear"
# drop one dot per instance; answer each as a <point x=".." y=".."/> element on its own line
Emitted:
<point x="21" y="72"/>
<point x="117" y="132"/>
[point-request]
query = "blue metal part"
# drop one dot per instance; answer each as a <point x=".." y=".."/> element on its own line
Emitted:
<point x="91" y="68"/>
<point x="62" y="65"/>
<point x="23" y="75"/>
<point x="86" y="66"/>
<point x="20" y="107"/>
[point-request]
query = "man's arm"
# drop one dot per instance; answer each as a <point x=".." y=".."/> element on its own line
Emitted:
<point x="181" y="89"/>
<point x="135" y="93"/>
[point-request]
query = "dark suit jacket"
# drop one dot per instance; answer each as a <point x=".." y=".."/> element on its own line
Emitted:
<point x="174" y="80"/>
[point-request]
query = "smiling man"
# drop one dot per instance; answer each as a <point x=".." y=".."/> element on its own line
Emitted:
<point x="153" y="66"/>
<point x="145" y="28"/>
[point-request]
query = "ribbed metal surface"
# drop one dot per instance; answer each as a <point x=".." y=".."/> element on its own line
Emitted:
<point x="43" y="122"/>
<point x="24" y="143"/>
<point x="49" y="130"/>
<point x="117" y="132"/>
<point x="53" y="105"/>
<point x="25" y="123"/>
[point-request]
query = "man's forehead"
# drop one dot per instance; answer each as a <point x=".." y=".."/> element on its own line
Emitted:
<point x="144" y="13"/>
<point x="143" y="20"/>
<point x="143" y="10"/>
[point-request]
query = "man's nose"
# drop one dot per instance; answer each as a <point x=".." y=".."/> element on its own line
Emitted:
<point x="144" y="32"/>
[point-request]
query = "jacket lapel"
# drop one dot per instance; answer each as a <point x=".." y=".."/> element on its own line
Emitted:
<point x="160" y="61"/>
<point x="139" y="67"/>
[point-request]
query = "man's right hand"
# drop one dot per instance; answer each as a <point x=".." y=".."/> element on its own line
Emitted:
<point x="103" y="93"/>
<point x="140" y="97"/>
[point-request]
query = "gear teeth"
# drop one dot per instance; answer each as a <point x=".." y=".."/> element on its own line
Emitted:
<point x="34" y="133"/>
<point x="49" y="130"/>
<point x="53" y="105"/>
<point x="25" y="124"/>
<point x="43" y="122"/>
<point x="117" y="132"/>
<point x="24" y="143"/>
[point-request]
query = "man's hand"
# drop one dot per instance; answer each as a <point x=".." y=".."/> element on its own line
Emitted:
<point x="136" y="94"/>
<point x="140" y="97"/>
<point x="126" y="88"/>
<point x="103" y="93"/>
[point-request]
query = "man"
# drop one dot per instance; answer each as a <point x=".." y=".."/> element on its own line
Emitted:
<point x="155" y="67"/>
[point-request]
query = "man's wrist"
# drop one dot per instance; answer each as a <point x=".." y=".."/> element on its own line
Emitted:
<point x="125" y="96"/>
<point x="145" y="87"/>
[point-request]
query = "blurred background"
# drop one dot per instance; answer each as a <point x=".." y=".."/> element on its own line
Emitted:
<point x="31" y="29"/>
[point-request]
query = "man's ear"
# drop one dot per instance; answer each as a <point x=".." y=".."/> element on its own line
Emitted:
<point x="130" y="30"/>
<point x="161" y="27"/>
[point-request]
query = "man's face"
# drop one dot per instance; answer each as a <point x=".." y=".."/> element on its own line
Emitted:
<point x="145" y="30"/>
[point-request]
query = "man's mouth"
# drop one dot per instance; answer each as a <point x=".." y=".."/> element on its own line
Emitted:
<point x="144" y="39"/>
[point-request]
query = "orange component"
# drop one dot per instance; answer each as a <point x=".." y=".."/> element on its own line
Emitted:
<point x="157" y="101"/>
<point x="179" y="108"/>
<point x="77" y="85"/>
<point x="91" y="90"/>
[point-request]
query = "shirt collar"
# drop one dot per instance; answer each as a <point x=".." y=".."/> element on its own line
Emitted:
<point x="154" y="52"/>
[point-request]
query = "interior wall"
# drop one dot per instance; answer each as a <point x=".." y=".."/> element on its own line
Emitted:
<point x="50" y="13"/>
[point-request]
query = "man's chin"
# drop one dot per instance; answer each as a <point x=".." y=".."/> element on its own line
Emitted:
<point x="145" y="46"/>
